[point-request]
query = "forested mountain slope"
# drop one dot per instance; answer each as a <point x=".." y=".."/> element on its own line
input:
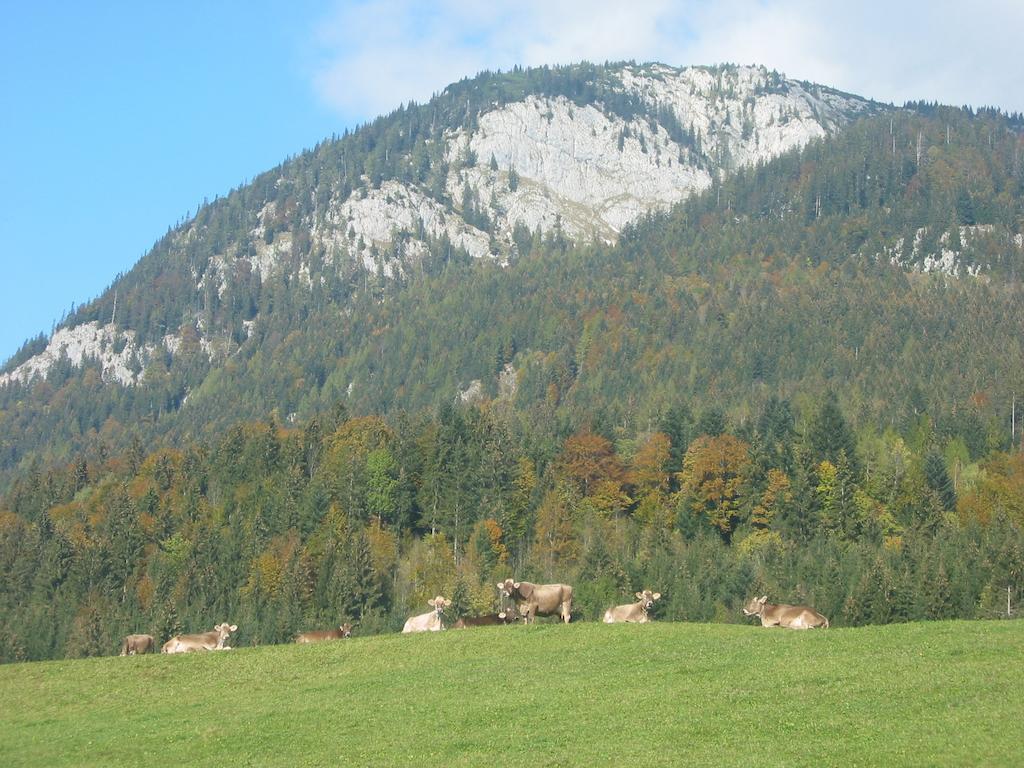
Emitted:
<point x="783" y="277"/>
<point x="481" y="174"/>
<point x="788" y="368"/>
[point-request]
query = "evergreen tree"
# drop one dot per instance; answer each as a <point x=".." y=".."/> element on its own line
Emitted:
<point x="712" y="422"/>
<point x="678" y="425"/>
<point x="938" y="479"/>
<point x="830" y="435"/>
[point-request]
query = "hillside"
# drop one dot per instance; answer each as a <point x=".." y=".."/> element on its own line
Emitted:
<point x="662" y="694"/>
<point x="798" y="274"/>
<point x="483" y="172"/>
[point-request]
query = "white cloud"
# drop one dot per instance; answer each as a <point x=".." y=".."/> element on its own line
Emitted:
<point x="380" y="53"/>
<point x="374" y="55"/>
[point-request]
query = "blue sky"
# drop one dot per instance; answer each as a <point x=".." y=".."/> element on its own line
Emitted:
<point x="118" y="119"/>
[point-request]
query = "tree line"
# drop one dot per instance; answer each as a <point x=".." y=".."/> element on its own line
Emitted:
<point x="284" y="528"/>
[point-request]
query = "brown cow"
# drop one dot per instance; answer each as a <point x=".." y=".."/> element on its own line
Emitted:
<point x="345" y="630"/>
<point x="789" y="616"/>
<point x="206" y="641"/>
<point x="511" y="616"/>
<point x="134" y="644"/>
<point x="538" y="599"/>
<point x="634" y="612"/>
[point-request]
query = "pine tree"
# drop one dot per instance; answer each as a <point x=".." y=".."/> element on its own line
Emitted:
<point x="938" y="479"/>
<point x="678" y="425"/>
<point x="354" y="587"/>
<point x="830" y="435"/>
<point x="711" y="423"/>
<point x="938" y="594"/>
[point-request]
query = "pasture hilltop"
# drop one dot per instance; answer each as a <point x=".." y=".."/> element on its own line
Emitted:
<point x="938" y="693"/>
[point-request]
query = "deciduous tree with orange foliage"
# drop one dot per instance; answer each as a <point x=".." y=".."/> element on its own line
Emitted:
<point x="1000" y="490"/>
<point x="588" y="459"/>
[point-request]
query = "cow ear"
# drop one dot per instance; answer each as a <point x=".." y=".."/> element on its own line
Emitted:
<point x="234" y="627"/>
<point x="656" y="595"/>
<point x="501" y="585"/>
<point x="763" y="599"/>
<point x="639" y="595"/>
<point x="515" y="585"/>
<point x="430" y="602"/>
<point x="502" y="615"/>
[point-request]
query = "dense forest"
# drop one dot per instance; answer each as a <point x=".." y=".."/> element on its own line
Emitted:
<point x="770" y="388"/>
<point x="281" y="529"/>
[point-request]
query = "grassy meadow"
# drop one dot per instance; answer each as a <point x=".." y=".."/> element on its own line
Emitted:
<point x="940" y="693"/>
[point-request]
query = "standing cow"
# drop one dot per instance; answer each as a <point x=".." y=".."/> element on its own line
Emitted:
<point x="781" y="615"/>
<point x="428" y="622"/>
<point x="345" y="630"/>
<point x="134" y="644"/>
<point x="634" y="612"/>
<point x="206" y="641"/>
<point x="538" y="599"/>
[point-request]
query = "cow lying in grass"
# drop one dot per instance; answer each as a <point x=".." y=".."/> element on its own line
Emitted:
<point x="345" y="630"/>
<point x="428" y="622"/>
<point x="206" y="641"/>
<point x="511" y="616"/>
<point x="781" y="615"/>
<point x="633" y="612"/>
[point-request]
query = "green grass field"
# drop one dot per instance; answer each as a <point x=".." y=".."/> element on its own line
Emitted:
<point x="943" y="693"/>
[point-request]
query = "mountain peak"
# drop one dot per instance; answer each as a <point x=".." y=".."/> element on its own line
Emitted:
<point x="579" y="151"/>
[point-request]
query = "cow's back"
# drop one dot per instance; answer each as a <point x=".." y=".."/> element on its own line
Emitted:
<point x="487" y="620"/>
<point x="549" y="597"/>
<point x="426" y="622"/>
<point x="138" y="644"/>
<point x="797" y="617"/>
<point x="544" y="600"/>
<point x="207" y="641"/>
<point x="802" y="617"/>
<point x="633" y="613"/>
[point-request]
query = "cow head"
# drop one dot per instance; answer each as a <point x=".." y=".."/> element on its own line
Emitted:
<point x="510" y="615"/>
<point x="224" y="632"/>
<point x="755" y="606"/>
<point x="439" y="604"/>
<point x="346" y="630"/>
<point x="647" y="599"/>
<point x="507" y="587"/>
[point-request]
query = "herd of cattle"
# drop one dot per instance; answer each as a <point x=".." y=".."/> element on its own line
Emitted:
<point x="525" y="601"/>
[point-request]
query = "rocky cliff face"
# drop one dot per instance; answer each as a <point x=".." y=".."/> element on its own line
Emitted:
<point x="544" y="162"/>
<point x="535" y="164"/>
<point x="597" y="172"/>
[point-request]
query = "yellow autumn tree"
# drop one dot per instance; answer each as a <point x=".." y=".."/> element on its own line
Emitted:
<point x="648" y="465"/>
<point x="714" y="471"/>
<point x="777" y="495"/>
